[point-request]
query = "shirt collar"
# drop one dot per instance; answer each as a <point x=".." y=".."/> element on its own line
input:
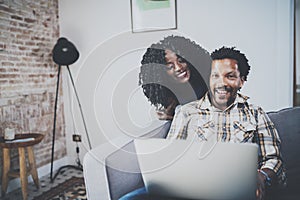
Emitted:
<point x="205" y="103"/>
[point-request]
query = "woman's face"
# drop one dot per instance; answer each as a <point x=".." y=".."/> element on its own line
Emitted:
<point x="177" y="67"/>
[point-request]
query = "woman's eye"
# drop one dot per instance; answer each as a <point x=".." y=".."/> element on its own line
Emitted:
<point x="169" y="66"/>
<point x="181" y="60"/>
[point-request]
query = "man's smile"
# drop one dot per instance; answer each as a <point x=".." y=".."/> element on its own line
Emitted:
<point x="223" y="90"/>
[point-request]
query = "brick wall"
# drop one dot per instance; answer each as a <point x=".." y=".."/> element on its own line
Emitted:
<point x="28" y="31"/>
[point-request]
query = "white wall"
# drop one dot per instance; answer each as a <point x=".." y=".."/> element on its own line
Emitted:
<point x="107" y="72"/>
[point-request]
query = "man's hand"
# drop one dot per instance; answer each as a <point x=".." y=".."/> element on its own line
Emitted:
<point x="261" y="186"/>
<point x="262" y="182"/>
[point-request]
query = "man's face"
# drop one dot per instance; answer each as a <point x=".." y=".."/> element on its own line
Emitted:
<point x="225" y="81"/>
<point x="177" y="67"/>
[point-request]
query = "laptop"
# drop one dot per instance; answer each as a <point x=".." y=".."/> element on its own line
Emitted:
<point x="198" y="170"/>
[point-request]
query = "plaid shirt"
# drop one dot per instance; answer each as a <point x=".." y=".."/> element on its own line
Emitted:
<point x="240" y="122"/>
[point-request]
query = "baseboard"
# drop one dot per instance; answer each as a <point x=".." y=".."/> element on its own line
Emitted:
<point x="42" y="171"/>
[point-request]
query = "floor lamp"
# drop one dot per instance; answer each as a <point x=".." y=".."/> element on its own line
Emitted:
<point x="65" y="53"/>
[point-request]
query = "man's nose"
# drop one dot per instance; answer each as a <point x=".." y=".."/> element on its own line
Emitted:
<point x="222" y="80"/>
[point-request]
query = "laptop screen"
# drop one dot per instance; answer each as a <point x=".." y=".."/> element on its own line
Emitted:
<point x="198" y="170"/>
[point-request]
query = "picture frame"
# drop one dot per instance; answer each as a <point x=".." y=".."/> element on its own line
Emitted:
<point x="153" y="15"/>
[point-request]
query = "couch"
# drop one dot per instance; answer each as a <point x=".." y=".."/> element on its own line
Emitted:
<point x="111" y="170"/>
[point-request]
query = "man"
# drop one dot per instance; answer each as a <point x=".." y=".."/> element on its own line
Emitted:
<point x="233" y="119"/>
<point x="170" y="74"/>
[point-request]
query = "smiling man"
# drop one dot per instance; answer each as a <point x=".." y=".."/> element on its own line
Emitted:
<point x="227" y="116"/>
<point x="225" y="81"/>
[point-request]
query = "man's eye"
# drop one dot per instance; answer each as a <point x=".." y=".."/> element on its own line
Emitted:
<point x="231" y="77"/>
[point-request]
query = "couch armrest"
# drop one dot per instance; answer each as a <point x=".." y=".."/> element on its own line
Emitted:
<point x="94" y="169"/>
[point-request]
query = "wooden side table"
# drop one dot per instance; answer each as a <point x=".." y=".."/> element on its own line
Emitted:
<point x="21" y="142"/>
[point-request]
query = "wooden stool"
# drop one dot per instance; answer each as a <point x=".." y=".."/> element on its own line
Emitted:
<point x="21" y="142"/>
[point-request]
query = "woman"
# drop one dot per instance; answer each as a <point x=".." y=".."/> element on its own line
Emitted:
<point x="169" y="78"/>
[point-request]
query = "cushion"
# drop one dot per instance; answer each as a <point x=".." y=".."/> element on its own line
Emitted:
<point x="122" y="167"/>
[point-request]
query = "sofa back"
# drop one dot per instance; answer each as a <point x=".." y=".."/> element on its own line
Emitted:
<point x="287" y="123"/>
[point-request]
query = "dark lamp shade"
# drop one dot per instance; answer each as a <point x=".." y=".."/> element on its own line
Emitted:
<point x="64" y="52"/>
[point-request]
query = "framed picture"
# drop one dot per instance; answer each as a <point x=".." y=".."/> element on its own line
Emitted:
<point x="153" y="15"/>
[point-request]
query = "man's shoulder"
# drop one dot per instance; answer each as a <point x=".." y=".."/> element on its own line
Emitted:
<point x="243" y="101"/>
<point x="253" y="108"/>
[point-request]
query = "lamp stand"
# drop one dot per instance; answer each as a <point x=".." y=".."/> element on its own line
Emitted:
<point x="79" y="167"/>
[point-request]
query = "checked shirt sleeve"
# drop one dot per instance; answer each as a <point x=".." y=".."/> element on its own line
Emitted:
<point x="268" y="142"/>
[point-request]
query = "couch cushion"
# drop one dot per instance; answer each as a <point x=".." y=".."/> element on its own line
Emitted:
<point x="123" y="171"/>
<point x="122" y="166"/>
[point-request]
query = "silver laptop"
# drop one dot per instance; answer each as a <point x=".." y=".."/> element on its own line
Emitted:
<point x="198" y="170"/>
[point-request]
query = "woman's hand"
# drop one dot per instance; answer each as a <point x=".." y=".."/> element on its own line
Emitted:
<point x="167" y="113"/>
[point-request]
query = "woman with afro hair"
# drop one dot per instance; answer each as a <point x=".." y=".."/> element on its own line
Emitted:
<point x="174" y="71"/>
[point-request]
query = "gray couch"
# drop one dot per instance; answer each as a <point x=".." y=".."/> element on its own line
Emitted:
<point x="111" y="171"/>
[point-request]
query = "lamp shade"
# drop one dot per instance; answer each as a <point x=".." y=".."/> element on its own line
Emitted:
<point x="64" y="52"/>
